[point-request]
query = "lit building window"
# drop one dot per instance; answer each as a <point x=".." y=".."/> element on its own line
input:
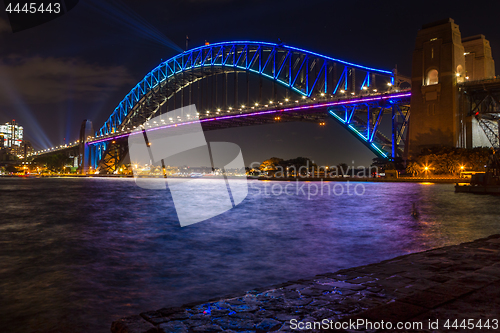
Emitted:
<point x="432" y="77"/>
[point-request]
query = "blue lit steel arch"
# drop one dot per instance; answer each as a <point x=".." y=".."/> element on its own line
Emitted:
<point x="301" y="71"/>
<point x="362" y="117"/>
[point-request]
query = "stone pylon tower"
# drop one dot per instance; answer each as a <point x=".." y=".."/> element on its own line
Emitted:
<point x="438" y="66"/>
<point x="479" y="63"/>
<point x="86" y="130"/>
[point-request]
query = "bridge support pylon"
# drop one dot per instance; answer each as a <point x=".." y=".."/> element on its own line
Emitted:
<point x="84" y="158"/>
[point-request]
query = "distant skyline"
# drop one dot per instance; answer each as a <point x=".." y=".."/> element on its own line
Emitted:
<point x="81" y="65"/>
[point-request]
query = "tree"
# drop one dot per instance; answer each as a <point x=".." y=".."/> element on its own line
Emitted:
<point x="270" y="164"/>
<point x="448" y="160"/>
<point x="413" y="168"/>
<point x="343" y="169"/>
<point x="11" y="168"/>
<point x="54" y="163"/>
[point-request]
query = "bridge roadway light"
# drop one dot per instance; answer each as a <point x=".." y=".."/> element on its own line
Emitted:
<point x="342" y="91"/>
<point x="286" y="99"/>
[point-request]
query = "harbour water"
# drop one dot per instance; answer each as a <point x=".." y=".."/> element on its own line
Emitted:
<point x="76" y="254"/>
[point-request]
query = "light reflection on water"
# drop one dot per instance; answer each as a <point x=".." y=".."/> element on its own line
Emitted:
<point x="76" y="254"/>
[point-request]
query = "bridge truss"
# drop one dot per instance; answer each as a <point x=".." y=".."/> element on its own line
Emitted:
<point x="301" y="72"/>
<point x="483" y="102"/>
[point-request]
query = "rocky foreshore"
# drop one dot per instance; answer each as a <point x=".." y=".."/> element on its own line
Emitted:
<point x="435" y="287"/>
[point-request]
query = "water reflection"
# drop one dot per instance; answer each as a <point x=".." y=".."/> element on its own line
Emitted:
<point x="78" y="253"/>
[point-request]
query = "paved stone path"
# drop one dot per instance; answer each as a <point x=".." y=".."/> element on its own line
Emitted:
<point x="459" y="282"/>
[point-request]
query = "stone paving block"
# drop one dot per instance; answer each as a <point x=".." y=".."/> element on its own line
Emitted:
<point x="374" y="289"/>
<point x="132" y="324"/>
<point x="490" y="270"/>
<point x="323" y="287"/>
<point x="427" y="299"/>
<point x="339" y="284"/>
<point x="452" y="288"/>
<point x="311" y="292"/>
<point x="235" y="323"/>
<point x="295" y="287"/>
<point x="356" y="287"/>
<point x="440" y="278"/>
<point x="361" y="280"/>
<point x="422" y="284"/>
<point x="318" y="303"/>
<point x="395" y="311"/>
<point x="268" y="325"/>
<point x="208" y="328"/>
<point x="476" y="280"/>
<point x="345" y="292"/>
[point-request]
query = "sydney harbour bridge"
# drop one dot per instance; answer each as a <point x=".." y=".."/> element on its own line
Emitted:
<point x="244" y="83"/>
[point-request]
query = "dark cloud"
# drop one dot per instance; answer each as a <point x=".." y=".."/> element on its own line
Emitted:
<point x="53" y="80"/>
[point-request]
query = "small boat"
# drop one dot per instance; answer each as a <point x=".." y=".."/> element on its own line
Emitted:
<point x="481" y="183"/>
<point x="196" y="175"/>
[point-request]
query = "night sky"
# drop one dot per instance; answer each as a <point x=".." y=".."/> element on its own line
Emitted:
<point x="82" y="64"/>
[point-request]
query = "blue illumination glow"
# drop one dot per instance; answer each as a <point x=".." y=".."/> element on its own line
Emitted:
<point x="358" y="133"/>
<point x="379" y="150"/>
<point x="157" y="76"/>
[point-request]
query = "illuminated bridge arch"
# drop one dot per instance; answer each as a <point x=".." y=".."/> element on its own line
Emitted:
<point x="300" y="71"/>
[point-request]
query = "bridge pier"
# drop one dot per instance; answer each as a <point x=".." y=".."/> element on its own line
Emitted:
<point x="444" y="64"/>
<point x="84" y="158"/>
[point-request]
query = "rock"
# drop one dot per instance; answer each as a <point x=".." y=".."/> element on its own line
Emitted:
<point x="235" y="323"/>
<point x="268" y="325"/>
<point x="285" y="317"/>
<point x="207" y="328"/>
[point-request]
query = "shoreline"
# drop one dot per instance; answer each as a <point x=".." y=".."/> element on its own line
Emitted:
<point x="309" y="179"/>
<point x="453" y="282"/>
<point x="375" y="180"/>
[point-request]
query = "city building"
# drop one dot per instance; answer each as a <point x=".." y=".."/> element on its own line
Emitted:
<point x="12" y="137"/>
